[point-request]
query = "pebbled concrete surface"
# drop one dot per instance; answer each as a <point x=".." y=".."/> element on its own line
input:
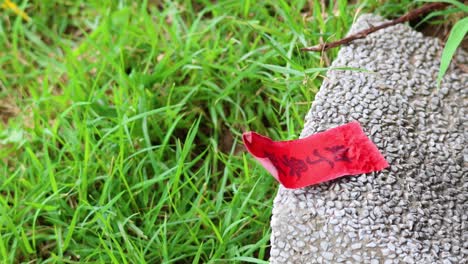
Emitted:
<point x="416" y="211"/>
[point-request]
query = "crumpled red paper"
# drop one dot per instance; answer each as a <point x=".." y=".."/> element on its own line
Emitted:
<point x="340" y="151"/>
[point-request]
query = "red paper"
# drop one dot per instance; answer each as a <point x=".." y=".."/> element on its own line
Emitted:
<point x="340" y="151"/>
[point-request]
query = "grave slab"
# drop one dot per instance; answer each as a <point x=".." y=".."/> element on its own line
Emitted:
<point x="415" y="211"/>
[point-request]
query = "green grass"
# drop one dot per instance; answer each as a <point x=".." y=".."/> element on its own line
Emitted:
<point x="122" y="143"/>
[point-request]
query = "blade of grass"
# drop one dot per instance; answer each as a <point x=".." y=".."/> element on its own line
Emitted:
<point x="456" y="36"/>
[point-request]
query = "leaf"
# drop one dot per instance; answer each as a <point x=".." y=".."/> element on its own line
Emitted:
<point x="7" y="4"/>
<point x="456" y="3"/>
<point x="456" y="36"/>
<point x="12" y="136"/>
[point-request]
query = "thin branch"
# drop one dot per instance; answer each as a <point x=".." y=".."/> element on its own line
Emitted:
<point x="362" y="34"/>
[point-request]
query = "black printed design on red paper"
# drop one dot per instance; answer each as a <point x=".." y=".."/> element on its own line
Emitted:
<point x="297" y="166"/>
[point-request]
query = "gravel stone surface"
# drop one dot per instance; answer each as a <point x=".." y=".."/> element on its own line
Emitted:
<point x="415" y="211"/>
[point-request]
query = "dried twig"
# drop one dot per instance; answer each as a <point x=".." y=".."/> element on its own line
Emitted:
<point x="362" y="34"/>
